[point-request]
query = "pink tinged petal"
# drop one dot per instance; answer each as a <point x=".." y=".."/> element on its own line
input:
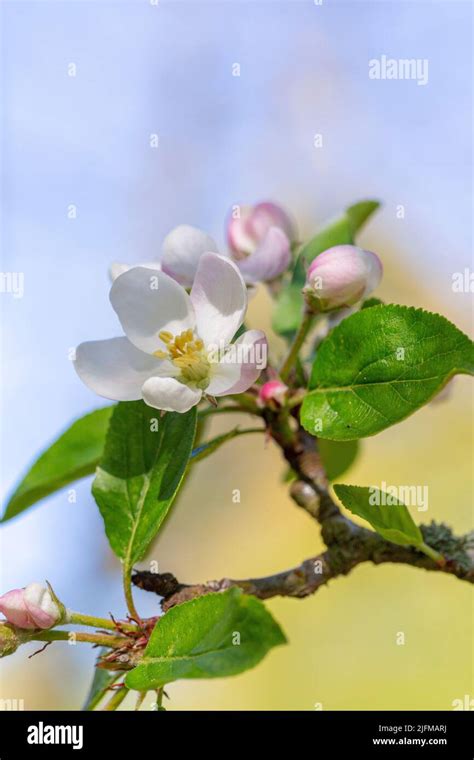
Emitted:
<point x="343" y="275"/>
<point x="219" y="298"/>
<point x="182" y="249"/>
<point x="170" y="395"/>
<point x="12" y="605"/>
<point x="375" y="272"/>
<point x="239" y="232"/>
<point x="115" y="369"/>
<point x="147" y="302"/>
<point x="116" y="268"/>
<point x="241" y="365"/>
<point x="269" y="260"/>
<point x="266" y="215"/>
<point x="41" y="606"/>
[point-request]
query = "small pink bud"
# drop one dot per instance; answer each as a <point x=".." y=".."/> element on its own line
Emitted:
<point x="341" y="276"/>
<point x="246" y="232"/>
<point x="32" y="607"/>
<point x="272" y="393"/>
<point x="260" y="239"/>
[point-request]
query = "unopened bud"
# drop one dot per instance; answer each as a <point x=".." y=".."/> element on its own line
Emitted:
<point x="341" y="276"/>
<point x="260" y="241"/>
<point x="272" y="394"/>
<point x="35" y="606"/>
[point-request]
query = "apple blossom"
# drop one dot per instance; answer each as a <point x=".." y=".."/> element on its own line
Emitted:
<point x="177" y="346"/>
<point x="248" y="226"/>
<point x="32" y="607"/>
<point x="341" y="276"/>
<point x="259" y="239"/>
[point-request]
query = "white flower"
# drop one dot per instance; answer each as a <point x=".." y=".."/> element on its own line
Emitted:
<point x="177" y="346"/>
<point x="182" y="248"/>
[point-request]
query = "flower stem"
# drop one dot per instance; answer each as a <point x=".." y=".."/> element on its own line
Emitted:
<point x="127" y="590"/>
<point x="90" y="638"/>
<point x="300" y="337"/>
<point x="116" y="699"/>
<point x="97" y="622"/>
<point x="140" y="699"/>
<point x="221" y="410"/>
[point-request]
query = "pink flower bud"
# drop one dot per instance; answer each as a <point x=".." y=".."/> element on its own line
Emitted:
<point x="32" y="607"/>
<point x="341" y="276"/>
<point x="272" y="393"/>
<point x="259" y="239"/>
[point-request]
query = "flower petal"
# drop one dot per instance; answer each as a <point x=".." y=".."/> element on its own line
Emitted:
<point x="116" y="268"/>
<point x="241" y="365"/>
<point x="182" y="249"/>
<point x="42" y="609"/>
<point x="219" y="297"/>
<point x="12" y="605"/>
<point x="169" y="394"/>
<point x="239" y="232"/>
<point x="269" y="260"/>
<point x="268" y="214"/>
<point x="115" y="369"/>
<point x="147" y="302"/>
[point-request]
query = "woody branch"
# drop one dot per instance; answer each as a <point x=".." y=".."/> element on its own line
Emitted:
<point x="348" y="544"/>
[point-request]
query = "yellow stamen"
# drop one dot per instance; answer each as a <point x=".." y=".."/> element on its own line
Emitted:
<point x="165" y="336"/>
<point x="186" y="352"/>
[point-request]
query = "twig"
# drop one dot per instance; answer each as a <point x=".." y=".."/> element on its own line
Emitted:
<point x="348" y="544"/>
<point x="359" y="546"/>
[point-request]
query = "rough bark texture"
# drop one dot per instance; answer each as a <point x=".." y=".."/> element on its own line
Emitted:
<point x="348" y="544"/>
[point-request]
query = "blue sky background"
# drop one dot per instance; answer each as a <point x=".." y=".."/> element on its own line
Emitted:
<point x="167" y="69"/>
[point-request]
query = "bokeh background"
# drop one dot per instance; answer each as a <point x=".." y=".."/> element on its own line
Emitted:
<point x="166" y="69"/>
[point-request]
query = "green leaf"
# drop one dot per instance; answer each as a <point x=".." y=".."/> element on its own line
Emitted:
<point x="100" y="683"/>
<point x="75" y="454"/>
<point x="386" y="514"/>
<point x="144" y="461"/>
<point x="209" y="637"/>
<point x="288" y="310"/>
<point x="337" y="456"/>
<point x="289" y="306"/>
<point x="360" y="212"/>
<point x="379" y="366"/>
